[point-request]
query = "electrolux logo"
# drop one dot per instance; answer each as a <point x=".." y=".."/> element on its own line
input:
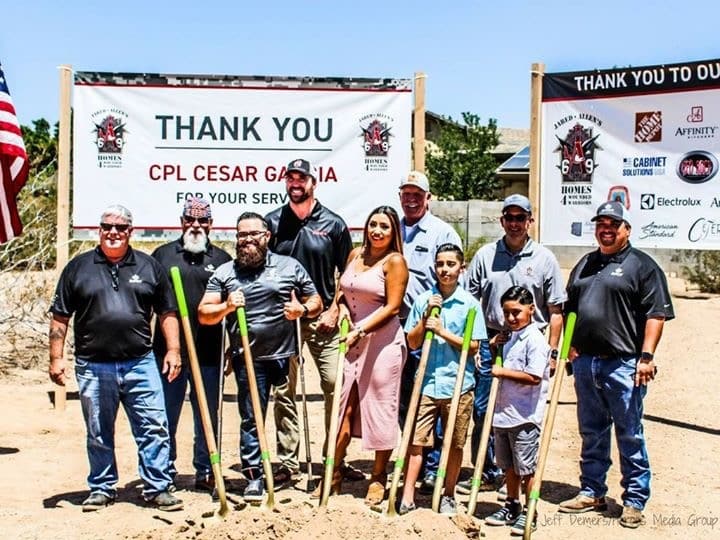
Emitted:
<point x="652" y="201"/>
<point x="647" y="201"/>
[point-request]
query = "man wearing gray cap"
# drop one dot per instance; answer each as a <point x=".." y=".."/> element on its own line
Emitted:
<point x="621" y="298"/>
<point x="197" y="258"/>
<point x="422" y="234"/>
<point x="515" y="259"/>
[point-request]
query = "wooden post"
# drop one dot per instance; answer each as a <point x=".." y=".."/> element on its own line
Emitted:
<point x="419" y="123"/>
<point x="536" y="77"/>
<point x="63" y="193"/>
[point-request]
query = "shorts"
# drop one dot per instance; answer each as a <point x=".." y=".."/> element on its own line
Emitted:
<point x="517" y="447"/>
<point x="427" y="414"/>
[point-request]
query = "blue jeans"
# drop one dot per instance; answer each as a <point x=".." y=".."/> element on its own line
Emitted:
<point x="174" y="398"/>
<point x="267" y="373"/>
<point x="607" y="395"/>
<point x="136" y="384"/>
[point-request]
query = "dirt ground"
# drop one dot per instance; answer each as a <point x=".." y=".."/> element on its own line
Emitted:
<point x="43" y="465"/>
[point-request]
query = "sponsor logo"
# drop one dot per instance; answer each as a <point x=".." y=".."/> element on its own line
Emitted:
<point x="209" y="268"/>
<point x="696" y="114"/>
<point x="658" y="230"/>
<point x="648" y="126"/>
<point x="620" y="194"/>
<point x="644" y="165"/>
<point x="704" y="229"/>
<point x="650" y="201"/>
<point x="618" y="272"/>
<point x="375" y="131"/>
<point x="135" y="279"/>
<point x="715" y="202"/>
<point x="696" y="131"/>
<point x="577" y="150"/>
<point x="697" y="167"/>
<point x="579" y="229"/>
<point x="109" y="136"/>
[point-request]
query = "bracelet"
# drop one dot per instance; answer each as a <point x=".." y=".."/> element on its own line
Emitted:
<point x="554" y="354"/>
<point x="361" y="331"/>
<point x="646" y="356"/>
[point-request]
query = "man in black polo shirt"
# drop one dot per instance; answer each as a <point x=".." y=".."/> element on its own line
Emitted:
<point x="113" y="292"/>
<point x="197" y="258"/>
<point x="320" y="240"/>
<point x="622" y="301"/>
<point x="275" y="290"/>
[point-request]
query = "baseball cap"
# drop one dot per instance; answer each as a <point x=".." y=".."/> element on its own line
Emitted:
<point x="197" y="207"/>
<point x="521" y="201"/>
<point x="302" y="166"/>
<point x="611" y="209"/>
<point x="417" y="179"/>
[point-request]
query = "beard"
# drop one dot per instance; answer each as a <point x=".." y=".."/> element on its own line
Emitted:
<point x="195" y="243"/>
<point x="251" y="258"/>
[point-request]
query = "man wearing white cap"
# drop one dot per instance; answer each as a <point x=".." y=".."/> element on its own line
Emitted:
<point x="515" y="259"/>
<point x="422" y="234"/>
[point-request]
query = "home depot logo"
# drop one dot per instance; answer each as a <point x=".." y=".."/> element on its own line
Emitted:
<point x="648" y="126"/>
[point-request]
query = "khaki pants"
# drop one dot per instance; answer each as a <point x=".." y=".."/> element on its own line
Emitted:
<point x="324" y="350"/>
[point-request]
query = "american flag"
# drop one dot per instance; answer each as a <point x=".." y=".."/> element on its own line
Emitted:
<point x="13" y="165"/>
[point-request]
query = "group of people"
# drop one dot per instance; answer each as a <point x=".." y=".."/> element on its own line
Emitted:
<point x="296" y="267"/>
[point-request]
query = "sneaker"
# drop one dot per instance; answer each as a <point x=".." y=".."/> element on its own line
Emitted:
<point x="165" y="501"/>
<point x="254" y="490"/>
<point x="405" y="508"/>
<point x="582" y="503"/>
<point x="518" y="528"/>
<point x="502" y="493"/>
<point x="204" y="482"/>
<point x="350" y="473"/>
<point x="448" y="505"/>
<point x="464" y="487"/>
<point x="507" y="515"/>
<point x="631" y="517"/>
<point x="428" y="485"/>
<point x="96" y="501"/>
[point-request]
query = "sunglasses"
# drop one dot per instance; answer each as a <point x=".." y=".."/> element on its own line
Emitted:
<point x="201" y="220"/>
<point x="515" y="218"/>
<point x="119" y="227"/>
<point x="250" y="234"/>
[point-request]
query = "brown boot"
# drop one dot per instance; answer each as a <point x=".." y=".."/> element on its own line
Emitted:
<point x="334" y="486"/>
<point x="376" y="489"/>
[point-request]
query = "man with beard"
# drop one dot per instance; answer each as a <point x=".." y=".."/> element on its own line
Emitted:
<point x="621" y="298"/>
<point x="317" y="237"/>
<point x="113" y="292"/>
<point x="197" y="259"/>
<point x="275" y="290"/>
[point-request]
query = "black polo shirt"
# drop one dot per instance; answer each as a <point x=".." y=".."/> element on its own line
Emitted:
<point x="266" y="289"/>
<point x="613" y="297"/>
<point x="110" y="324"/>
<point x="195" y="269"/>
<point x="321" y="242"/>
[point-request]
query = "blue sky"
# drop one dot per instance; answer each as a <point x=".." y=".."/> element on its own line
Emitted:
<point x="476" y="54"/>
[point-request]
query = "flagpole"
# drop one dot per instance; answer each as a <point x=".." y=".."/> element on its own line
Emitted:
<point x="63" y="193"/>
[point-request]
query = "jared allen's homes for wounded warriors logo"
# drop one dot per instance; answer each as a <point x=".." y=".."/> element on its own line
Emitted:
<point x="376" y="133"/>
<point x="577" y="159"/>
<point x="109" y="136"/>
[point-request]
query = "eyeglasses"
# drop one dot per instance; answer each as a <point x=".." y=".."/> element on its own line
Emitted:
<point x="119" y="227"/>
<point x="201" y="220"/>
<point x="515" y="218"/>
<point x="250" y="234"/>
<point x="115" y="276"/>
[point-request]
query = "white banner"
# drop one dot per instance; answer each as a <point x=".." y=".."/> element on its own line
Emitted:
<point x="148" y="142"/>
<point x="648" y="137"/>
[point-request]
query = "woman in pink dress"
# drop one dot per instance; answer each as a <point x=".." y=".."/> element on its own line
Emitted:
<point x="371" y="293"/>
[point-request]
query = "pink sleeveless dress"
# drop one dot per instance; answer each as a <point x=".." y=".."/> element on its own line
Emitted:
<point x="375" y="362"/>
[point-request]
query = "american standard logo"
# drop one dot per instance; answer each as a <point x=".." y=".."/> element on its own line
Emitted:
<point x="704" y="229"/>
<point x="697" y="167"/>
<point x="644" y="165"/>
<point x="658" y="230"/>
<point x="696" y="130"/>
<point x="577" y="150"/>
<point x="648" y="126"/>
<point x="649" y="201"/>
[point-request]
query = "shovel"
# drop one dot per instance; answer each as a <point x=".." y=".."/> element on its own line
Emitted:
<point x="200" y="392"/>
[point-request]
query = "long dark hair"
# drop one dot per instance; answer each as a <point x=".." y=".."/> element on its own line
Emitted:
<point x="389" y="211"/>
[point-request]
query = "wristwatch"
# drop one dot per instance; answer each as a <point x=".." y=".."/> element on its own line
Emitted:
<point x="646" y="356"/>
<point x="554" y="354"/>
<point x="305" y="311"/>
